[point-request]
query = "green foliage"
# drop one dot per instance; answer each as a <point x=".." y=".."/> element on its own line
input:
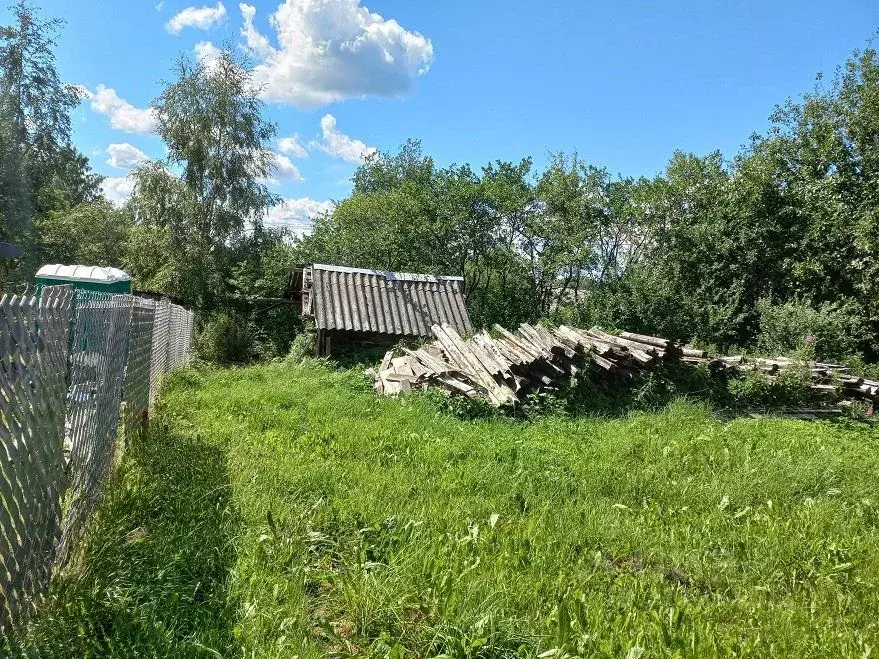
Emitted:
<point x="288" y="511"/>
<point x="639" y="301"/>
<point x="95" y="233"/>
<point x="688" y="254"/>
<point x="407" y="214"/>
<point x="755" y="390"/>
<point x="226" y="338"/>
<point x="199" y="236"/>
<point x="834" y="330"/>
<point x="303" y="347"/>
<point x="42" y="176"/>
<point x="461" y="407"/>
<point x="210" y="119"/>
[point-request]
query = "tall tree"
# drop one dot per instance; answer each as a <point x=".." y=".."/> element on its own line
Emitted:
<point x="35" y="101"/>
<point x="95" y="233"/>
<point x="211" y="120"/>
<point x="40" y="170"/>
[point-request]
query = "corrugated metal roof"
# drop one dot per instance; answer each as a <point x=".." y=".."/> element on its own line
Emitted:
<point x="381" y="301"/>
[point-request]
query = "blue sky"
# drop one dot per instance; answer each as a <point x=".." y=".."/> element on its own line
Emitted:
<point x="624" y="83"/>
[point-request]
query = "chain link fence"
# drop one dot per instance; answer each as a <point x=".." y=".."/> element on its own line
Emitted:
<point x="73" y="365"/>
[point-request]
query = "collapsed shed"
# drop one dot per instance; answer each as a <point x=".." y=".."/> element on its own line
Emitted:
<point x="362" y="307"/>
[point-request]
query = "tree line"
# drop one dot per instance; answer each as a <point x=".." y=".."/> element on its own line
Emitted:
<point x="192" y="227"/>
<point x="771" y="248"/>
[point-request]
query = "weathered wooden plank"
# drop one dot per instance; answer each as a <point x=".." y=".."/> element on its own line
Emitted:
<point x="512" y="339"/>
<point x="573" y="342"/>
<point x="530" y="334"/>
<point x="554" y="344"/>
<point x="489" y="344"/>
<point x="655" y="341"/>
<point x="500" y="394"/>
<point x="486" y="356"/>
<point x="631" y="346"/>
<point x="386" y="361"/>
<point x="604" y="363"/>
<point x="399" y="377"/>
<point x="434" y="364"/>
<point x="402" y="365"/>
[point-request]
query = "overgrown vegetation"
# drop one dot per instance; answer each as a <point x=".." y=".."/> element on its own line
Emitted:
<point x="283" y="511"/>
<point x="751" y="392"/>
<point x="193" y="227"/>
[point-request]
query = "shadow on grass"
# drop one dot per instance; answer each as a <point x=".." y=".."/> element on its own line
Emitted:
<point x="152" y="578"/>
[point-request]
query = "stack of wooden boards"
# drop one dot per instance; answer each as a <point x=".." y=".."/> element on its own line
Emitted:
<point x="831" y="378"/>
<point x="533" y="358"/>
<point x="505" y="367"/>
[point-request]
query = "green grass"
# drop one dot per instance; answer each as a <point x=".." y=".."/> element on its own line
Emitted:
<point x="281" y="511"/>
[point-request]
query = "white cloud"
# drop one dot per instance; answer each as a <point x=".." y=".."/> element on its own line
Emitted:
<point x="333" y="50"/>
<point x="284" y="169"/>
<point x="123" y="115"/>
<point x="198" y="17"/>
<point x="117" y="190"/>
<point x="296" y="214"/>
<point x="206" y="53"/>
<point x="126" y="156"/>
<point x="292" y="146"/>
<point x="160" y="5"/>
<point x="256" y="42"/>
<point x="339" y="145"/>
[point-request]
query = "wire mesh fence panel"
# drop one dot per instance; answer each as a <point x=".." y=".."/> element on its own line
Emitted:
<point x="180" y="336"/>
<point x="97" y="362"/>
<point x="68" y="360"/>
<point x="173" y="327"/>
<point x="33" y="360"/>
<point x="190" y="333"/>
<point x="159" y="357"/>
<point x="137" y="368"/>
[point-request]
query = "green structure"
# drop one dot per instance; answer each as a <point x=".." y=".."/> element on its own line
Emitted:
<point x="85" y="277"/>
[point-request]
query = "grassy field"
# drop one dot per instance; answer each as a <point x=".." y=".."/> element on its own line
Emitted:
<point x="280" y="511"/>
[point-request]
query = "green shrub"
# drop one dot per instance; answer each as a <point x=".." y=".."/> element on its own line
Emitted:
<point x="541" y="404"/>
<point x="757" y="391"/>
<point x="833" y="330"/>
<point x="302" y="347"/>
<point x="276" y="329"/>
<point x="637" y="303"/>
<point x="227" y="338"/>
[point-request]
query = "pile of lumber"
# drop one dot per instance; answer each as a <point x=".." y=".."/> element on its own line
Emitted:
<point x="533" y="358"/>
<point x="826" y="377"/>
<point x="509" y="365"/>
